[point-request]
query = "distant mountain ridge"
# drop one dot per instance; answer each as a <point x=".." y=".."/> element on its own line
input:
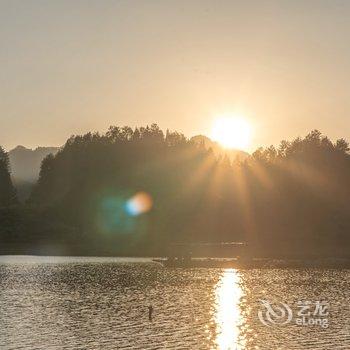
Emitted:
<point x="25" y="162"/>
<point x="232" y="154"/>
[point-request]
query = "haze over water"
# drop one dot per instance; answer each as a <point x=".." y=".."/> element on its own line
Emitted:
<point x="101" y="303"/>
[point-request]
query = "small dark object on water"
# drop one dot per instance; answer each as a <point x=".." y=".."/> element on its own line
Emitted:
<point x="150" y="312"/>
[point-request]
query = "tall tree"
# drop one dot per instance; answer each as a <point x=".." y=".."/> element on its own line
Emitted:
<point x="7" y="191"/>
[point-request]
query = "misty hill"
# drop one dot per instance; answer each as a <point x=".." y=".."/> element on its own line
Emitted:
<point x="25" y="163"/>
<point x="25" y="167"/>
<point x="232" y="154"/>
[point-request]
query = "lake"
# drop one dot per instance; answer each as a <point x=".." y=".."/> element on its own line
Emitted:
<point x="102" y="303"/>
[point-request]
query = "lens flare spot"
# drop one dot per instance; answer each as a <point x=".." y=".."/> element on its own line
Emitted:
<point x="140" y="203"/>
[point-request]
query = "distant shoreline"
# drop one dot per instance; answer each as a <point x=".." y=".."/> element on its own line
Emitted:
<point x="265" y="263"/>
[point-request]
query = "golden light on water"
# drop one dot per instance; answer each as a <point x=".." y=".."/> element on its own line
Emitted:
<point x="232" y="132"/>
<point x="228" y="317"/>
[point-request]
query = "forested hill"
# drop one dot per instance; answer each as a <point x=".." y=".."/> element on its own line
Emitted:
<point x="133" y="191"/>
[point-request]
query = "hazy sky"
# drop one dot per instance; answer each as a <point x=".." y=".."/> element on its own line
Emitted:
<point x="68" y="67"/>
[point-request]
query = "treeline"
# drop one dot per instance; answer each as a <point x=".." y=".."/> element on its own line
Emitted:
<point x="290" y="200"/>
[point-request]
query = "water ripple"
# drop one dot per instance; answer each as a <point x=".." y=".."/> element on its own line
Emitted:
<point x="95" y="303"/>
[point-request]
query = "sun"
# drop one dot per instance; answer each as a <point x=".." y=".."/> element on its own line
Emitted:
<point x="232" y="132"/>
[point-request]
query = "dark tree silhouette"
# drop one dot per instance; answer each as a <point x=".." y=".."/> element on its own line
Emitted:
<point x="7" y="191"/>
<point x="284" y="201"/>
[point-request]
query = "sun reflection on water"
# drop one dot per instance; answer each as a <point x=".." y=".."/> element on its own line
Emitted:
<point x="228" y="314"/>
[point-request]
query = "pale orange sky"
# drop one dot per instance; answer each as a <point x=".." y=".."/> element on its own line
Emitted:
<point x="68" y="67"/>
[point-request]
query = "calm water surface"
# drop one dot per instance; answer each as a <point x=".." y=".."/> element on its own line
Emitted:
<point x="101" y="303"/>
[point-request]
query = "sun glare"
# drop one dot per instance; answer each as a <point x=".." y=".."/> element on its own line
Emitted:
<point x="232" y="132"/>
